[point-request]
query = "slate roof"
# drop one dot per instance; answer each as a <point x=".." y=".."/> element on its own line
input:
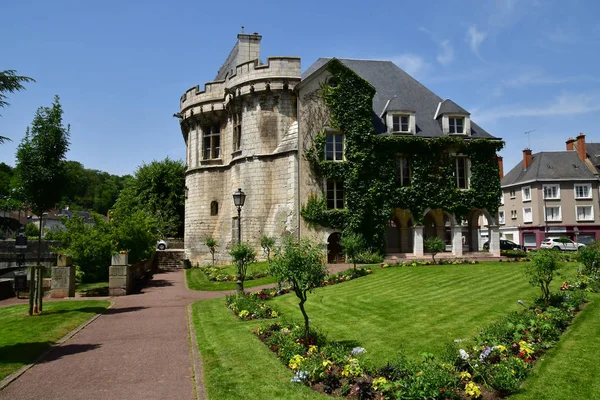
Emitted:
<point x="403" y="93"/>
<point x="548" y="166"/>
<point x="450" y="107"/>
<point x="593" y="153"/>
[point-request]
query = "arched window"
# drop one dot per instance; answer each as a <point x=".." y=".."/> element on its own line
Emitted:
<point x="214" y="208"/>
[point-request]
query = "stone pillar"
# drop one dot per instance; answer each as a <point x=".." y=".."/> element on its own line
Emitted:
<point x="119" y="280"/>
<point x="418" y="241"/>
<point x="63" y="278"/>
<point x="475" y="240"/>
<point x="494" y="238"/>
<point x="457" y="249"/>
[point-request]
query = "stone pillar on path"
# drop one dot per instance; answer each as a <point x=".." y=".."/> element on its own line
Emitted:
<point x="119" y="279"/>
<point x="63" y="278"/>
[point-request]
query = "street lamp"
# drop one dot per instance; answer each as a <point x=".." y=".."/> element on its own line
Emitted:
<point x="239" y="198"/>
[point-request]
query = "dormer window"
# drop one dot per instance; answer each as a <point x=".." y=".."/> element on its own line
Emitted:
<point x="456" y="125"/>
<point x="402" y="122"/>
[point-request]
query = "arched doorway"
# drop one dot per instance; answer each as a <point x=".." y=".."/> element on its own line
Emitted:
<point x="392" y="237"/>
<point x="334" y="249"/>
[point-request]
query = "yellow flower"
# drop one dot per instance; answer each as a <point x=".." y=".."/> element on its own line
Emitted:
<point x="274" y="314"/>
<point x="327" y="364"/>
<point x="465" y="375"/>
<point x="312" y="349"/>
<point x="472" y="390"/>
<point x="379" y="382"/>
<point x="296" y="361"/>
<point x="419" y="373"/>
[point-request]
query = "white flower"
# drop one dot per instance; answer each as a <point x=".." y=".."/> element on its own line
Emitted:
<point x="358" y="350"/>
<point x="463" y="354"/>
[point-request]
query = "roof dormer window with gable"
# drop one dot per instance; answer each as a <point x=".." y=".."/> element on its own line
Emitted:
<point x="455" y="119"/>
<point x="400" y="122"/>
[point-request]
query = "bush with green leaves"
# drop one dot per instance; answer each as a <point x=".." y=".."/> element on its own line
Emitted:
<point x="212" y="245"/>
<point x="589" y="256"/>
<point x="31" y="230"/>
<point x="243" y="254"/>
<point x="434" y="245"/>
<point x="135" y="233"/>
<point x="544" y="267"/>
<point x="267" y="243"/>
<point x="352" y="244"/>
<point x="366" y="257"/>
<point x="302" y="264"/>
<point x="250" y="307"/>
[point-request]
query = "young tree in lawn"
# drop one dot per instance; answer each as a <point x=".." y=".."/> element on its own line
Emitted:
<point x="434" y="245"/>
<point x="41" y="172"/>
<point x="212" y="245"/>
<point x="267" y="243"/>
<point x="353" y="244"/>
<point x="10" y="82"/>
<point x="544" y="266"/>
<point x="302" y="264"/>
<point x="243" y="254"/>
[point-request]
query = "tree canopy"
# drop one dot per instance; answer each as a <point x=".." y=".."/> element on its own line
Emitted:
<point x="157" y="188"/>
<point x="10" y="82"/>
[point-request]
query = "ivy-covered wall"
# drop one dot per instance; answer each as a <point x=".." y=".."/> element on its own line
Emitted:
<point x="369" y="170"/>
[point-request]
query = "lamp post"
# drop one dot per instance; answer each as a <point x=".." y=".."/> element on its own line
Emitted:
<point x="239" y="198"/>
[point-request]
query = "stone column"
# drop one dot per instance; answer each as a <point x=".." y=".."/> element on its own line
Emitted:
<point x="457" y="249"/>
<point x="119" y="279"/>
<point x="475" y="240"/>
<point x="494" y="238"/>
<point x="418" y="241"/>
<point x="63" y="278"/>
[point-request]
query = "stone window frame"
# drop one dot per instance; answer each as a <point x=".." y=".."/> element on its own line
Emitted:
<point x="211" y="134"/>
<point x="557" y="218"/>
<point x="335" y="154"/>
<point x="524" y="190"/>
<point x="395" y="124"/>
<point x="466" y="171"/>
<point x="591" y="207"/>
<point x="513" y="214"/>
<point x="236" y="120"/>
<point x="403" y="172"/>
<point x="334" y="194"/>
<point x="576" y="187"/>
<point x="545" y="188"/>
<point x="513" y="193"/>
<point x="525" y="214"/>
<point x="453" y="125"/>
<point x="214" y="208"/>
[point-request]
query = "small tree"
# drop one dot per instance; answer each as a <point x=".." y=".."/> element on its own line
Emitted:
<point x="434" y="245"/>
<point x="41" y="171"/>
<point x="31" y="230"/>
<point x="243" y="254"/>
<point x="589" y="256"/>
<point x="302" y="264"/>
<point x="212" y="245"/>
<point x="353" y="244"/>
<point x="541" y="271"/>
<point x="267" y="243"/>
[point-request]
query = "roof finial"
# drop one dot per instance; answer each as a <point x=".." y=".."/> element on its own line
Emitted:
<point x="242" y="28"/>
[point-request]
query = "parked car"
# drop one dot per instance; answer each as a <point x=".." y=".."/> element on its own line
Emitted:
<point x="162" y="245"/>
<point x="505" y="245"/>
<point x="564" y="244"/>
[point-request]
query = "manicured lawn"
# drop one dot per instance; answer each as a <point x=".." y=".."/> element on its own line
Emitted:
<point x="415" y="309"/>
<point x="24" y="338"/>
<point x="197" y="280"/>
<point x="570" y="370"/>
<point x="93" y="289"/>
<point x="236" y="364"/>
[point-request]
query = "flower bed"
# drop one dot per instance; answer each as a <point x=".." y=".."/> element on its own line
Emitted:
<point x="216" y="274"/>
<point x="250" y="307"/>
<point x="419" y="263"/>
<point x="493" y="364"/>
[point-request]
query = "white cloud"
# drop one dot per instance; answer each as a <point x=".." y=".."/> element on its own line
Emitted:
<point x="446" y="54"/>
<point x="475" y="38"/>
<point x="411" y="63"/>
<point x="561" y="37"/>
<point x="565" y="104"/>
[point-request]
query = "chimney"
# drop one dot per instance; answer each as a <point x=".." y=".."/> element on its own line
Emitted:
<point x="501" y="166"/>
<point x="570" y="144"/>
<point x="580" y="145"/>
<point x="527" y="157"/>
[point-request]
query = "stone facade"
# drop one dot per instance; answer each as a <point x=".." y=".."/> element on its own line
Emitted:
<point x="241" y="132"/>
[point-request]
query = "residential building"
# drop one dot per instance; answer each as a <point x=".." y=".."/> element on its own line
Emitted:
<point x="265" y="128"/>
<point x="553" y="193"/>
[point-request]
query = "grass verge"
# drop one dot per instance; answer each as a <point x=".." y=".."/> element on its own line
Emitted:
<point x="24" y="338"/>
<point x="197" y="279"/>
<point x="92" y="289"/>
<point x="570" y="370"/>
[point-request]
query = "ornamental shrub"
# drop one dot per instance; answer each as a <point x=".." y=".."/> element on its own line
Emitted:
<point x="589" y="256"/>
<point x="242" y="254"/>
<point x="434" y="245"/>
<point x="541" y="271"/>
<point x="212" y="245"/>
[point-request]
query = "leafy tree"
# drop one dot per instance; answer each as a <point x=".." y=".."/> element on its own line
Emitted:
<point x="31" y="230"/>
<point x="434" y="245"/>
<point x="267" y="243"/>
<point x="212" y="245"/>
<point x="302" y="264"/>
<point x="353" y="244"/>
<point x="136" y="233"/>
<point x="6" y="173"/>
<point x="159" y="189"/>
<point x="10" y="82"/>
<point x="243" y="254"/>
<point x="541" y="270"/>
<point x="589" y="256"/>
<point x="41" y="172"/>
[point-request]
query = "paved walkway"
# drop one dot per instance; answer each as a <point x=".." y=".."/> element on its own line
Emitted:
<point x="138" y="349"/>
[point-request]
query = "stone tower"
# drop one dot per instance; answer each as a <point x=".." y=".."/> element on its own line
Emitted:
<point x="241" y="131"/>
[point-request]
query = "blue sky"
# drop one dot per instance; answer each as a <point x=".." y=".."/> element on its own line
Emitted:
<point x="121" y="66"/>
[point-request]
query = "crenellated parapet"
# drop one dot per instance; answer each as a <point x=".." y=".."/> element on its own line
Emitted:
<point x="279" y="73"/>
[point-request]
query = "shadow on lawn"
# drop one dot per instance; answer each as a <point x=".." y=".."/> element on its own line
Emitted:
<point x="26" y="353"/>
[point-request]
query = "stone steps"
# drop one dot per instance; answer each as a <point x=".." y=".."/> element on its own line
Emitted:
<point x="170" y="259"/>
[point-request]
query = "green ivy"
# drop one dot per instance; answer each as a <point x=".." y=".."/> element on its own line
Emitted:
<point x="369" y="169"/>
